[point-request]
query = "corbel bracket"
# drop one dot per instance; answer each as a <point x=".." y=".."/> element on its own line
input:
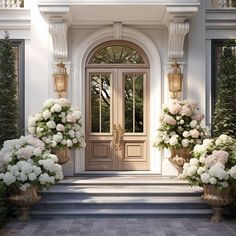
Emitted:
<point x="177" y="32"/>
<point x="58" y="30"/>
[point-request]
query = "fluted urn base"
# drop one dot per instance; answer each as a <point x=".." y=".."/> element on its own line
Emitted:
<point x="62" y="155"/>
<point x="179" y="157"/>
<point x="217" y="199"/>
<point x="24" y="201"/>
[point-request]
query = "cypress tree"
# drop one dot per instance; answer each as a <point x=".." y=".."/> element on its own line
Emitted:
<point x="224" y="117"/>
<point x="9" y="113"/>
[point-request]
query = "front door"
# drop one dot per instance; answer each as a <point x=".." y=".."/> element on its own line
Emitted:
<point x="117" y="119"/>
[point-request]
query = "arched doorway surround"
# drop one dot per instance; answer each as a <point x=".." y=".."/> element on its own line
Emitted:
<point x="79" y="57"/>
<point x="117" y="108"/>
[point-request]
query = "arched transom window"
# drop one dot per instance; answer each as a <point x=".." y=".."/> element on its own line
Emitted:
<point x="117" y="52"/>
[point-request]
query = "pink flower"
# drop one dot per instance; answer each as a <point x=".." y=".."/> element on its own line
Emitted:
<point x="186" y="111"/>
<point x="169" y="120"/>
<point x="60" y="127"/>
<point x="198" y="116"/>
<point x="216" y="156"/>
<point x="194" y="133"/>
<point x="221" y="156"/>
<point x="175" y="108"/>
<point x="70" y="118"/>
<point x="210" y="161"/>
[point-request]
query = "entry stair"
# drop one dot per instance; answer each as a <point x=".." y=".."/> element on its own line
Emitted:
<point x="97" y="195"/>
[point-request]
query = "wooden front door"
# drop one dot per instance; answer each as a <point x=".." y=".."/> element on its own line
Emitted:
<point x="117" y="118"/>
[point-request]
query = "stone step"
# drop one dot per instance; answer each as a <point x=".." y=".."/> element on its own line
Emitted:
<point x="124" y="200"/>
<point x="119" y="204"/>
<point x="123" y="180"/>
<point x="131" y="195"/>
<point x="122" y="213"/>
<point x="124" y="190"/>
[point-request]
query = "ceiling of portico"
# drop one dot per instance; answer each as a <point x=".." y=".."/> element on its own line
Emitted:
<point x="93" y="15"/>
<point x="135" y="12"/>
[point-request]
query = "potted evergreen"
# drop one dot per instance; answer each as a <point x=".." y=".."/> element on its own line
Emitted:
<point x="224" y="116"/>
<point x="9" y="117"/>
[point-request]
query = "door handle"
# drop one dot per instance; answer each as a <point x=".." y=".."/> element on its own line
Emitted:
<point x="120" y="136"/>
<point x="115" y="137"/>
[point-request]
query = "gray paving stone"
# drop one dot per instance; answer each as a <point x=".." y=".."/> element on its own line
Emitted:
<point x="120" y="227"/>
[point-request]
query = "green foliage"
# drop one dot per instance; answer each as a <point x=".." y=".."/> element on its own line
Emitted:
<point x="224" y="117"/>
<point x="9" y="118"/>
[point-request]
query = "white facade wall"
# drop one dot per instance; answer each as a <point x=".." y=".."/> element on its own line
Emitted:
<point x="39" y="66"/>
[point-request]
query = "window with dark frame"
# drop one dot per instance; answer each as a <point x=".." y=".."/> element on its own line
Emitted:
<point x="19" y="49"/>
<point x="217" y="49"/>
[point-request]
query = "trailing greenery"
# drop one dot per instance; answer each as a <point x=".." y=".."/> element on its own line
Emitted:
<point x="224" y="117"/>
<point x="9" y="114"/>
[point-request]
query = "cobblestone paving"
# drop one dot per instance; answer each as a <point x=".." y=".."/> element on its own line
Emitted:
<point x="120" y="227"/>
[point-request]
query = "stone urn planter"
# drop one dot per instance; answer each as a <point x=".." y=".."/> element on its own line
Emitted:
<point x="62" y="155"/>
<point x="24" y="201"/>
<point x="179" y="157"/>
<point x="233" y="3"/>
<point x="217" y="199"/>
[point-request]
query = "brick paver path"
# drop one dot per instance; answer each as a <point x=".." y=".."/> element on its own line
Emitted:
<point x="120" y="227"/>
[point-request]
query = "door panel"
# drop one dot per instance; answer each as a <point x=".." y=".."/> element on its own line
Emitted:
<point x="134" y="102"/>
<point x="116" y="125"/>
<point x="99" y="120"/>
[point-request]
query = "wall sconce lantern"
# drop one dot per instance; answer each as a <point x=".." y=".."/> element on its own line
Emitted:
<point x="60" y="79"/>
<point x="175" y="79"/>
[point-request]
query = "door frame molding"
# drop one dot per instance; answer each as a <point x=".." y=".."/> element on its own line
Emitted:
<point x="79" y="58"/>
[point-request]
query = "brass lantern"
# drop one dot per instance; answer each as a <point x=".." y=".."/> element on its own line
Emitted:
<point x="60" y="79"/>
<point x="175" y="78"/>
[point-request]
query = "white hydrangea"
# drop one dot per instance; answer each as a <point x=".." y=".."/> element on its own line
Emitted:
<point x="232" y="172"/>
<point x="63" y="102"/>
<point x="218" y="171"/>
<point x="74" y="140"/>
<point x="213" y="180"/>
<point x="22" y="177"/>
<point x="186" y="134"/>
<point x="37" y="151"/>
<point x="72" y="133"/>
<point x="193" y="124"/>
<point x="69" y="143"/>
<point x="44" y="178"/>
<point x="185" y="168"/>
<point x="191" y="170"/>
<point x="53" y="143"/>
<point x="32" y="176"/>
<point x="46" y="114"/>
<point x="205" y="178"/>
<point x="194" y="162"/>
<point x="173" y="141"/>
<point x="57" y="138"/>
<point x="48" y="103"/>
<point x="77" y="114"/>
<point x="63" y="142"/>
<point x="32" y="121"/>
<point x="23" y="168"/>
<point x="38" y="116"/>
<point x="9" y="178"/>
<point x="199" y="148"/>
<point x="185" y="142"/>
<point x="56" y="108"/>
<point x="51" y="124"/>
<point x="200" y="170"/>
